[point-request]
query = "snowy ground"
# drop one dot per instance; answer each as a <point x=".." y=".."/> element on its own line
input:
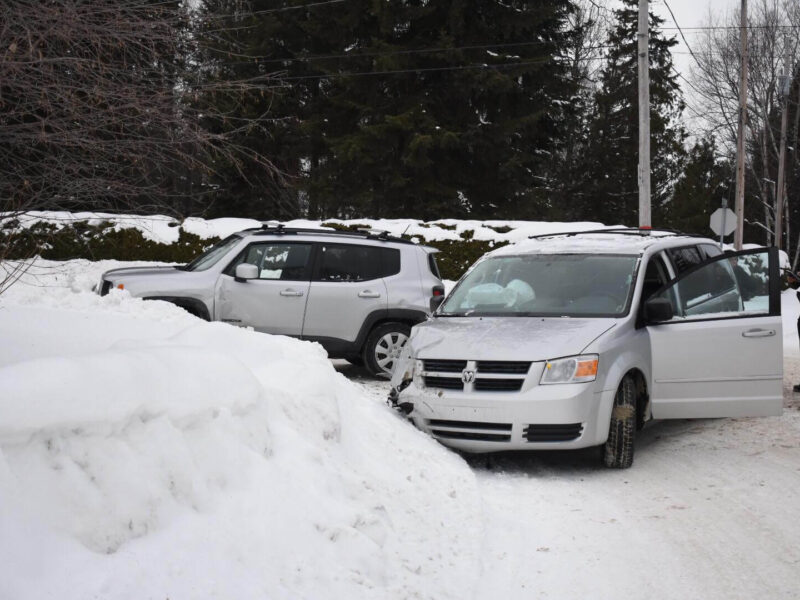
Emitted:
<point x="147" y="454"/>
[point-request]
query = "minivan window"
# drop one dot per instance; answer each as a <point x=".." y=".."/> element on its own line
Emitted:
<point x="567" y="285"/>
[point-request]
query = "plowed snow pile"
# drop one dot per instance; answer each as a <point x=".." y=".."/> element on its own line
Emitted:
<point x="147" y="454"/>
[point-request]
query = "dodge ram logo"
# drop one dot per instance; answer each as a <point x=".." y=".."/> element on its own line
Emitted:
<point x="467" y="376"/>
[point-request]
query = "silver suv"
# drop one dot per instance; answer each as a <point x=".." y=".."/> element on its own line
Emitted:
<point x="356" y="293"/>
<point x="576" y="340"/>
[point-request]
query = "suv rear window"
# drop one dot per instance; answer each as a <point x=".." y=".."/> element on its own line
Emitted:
<point x="433" y="266"/>
<point x="351" y="262"/>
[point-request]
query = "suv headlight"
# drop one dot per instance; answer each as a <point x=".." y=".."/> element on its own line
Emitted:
<point x="571" y="369"/>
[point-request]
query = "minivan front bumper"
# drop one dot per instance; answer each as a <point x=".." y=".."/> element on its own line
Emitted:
<point x="542" y="417"/>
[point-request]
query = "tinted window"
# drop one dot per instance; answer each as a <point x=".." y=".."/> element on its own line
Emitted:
<point x="433" y="266"/>
<point x="339" y="262"/>
<point x="684" y="258"/>
<point x="290" y="262"/>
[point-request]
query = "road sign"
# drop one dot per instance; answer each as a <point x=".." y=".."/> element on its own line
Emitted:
<point x="723" y="221"/>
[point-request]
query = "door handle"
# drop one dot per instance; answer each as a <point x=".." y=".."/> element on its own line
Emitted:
<point x="368" y="294"/>
<point x="758" y="333"/>
<point x="291" y="293"/>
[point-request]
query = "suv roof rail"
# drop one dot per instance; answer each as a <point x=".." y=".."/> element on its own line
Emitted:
<point x="274" y="228"/>
<point x="641" y="231"/>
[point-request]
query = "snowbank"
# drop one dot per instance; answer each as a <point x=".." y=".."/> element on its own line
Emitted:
<point x="147" y="454"/>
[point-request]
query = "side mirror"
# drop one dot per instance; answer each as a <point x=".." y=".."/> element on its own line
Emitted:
<point x="245" y="271"/>
<point x="658" y="310"/>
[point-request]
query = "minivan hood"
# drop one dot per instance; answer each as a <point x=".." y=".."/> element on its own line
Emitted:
<point x="505" y="338"/>
<point x="138" y="272"/>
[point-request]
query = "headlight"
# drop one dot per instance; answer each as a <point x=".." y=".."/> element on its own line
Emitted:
<point x="572" y="369"/>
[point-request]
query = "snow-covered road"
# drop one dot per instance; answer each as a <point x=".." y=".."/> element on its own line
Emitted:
<point x="274" y="477"/>
<point x="710" y="510"/>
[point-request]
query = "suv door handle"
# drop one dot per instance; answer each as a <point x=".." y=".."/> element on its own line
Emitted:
<point x="291" y="293"/>
<point x="368" y="294"/>
<point x="758" y="333"/>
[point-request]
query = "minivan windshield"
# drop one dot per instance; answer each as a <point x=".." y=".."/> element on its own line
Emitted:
<point x="213" y="255"/>
<point x="564" y="285"/>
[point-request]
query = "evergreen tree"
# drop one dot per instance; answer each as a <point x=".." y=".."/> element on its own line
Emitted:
<point x="402" y="108"/>
<point x="610" y="191"/>
<point x="701" y="189"/>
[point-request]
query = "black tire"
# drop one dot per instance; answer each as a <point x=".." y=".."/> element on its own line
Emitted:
<point x="357" y="361"/>
<point x="618" y="449"/>
<point x="382" y="348"/>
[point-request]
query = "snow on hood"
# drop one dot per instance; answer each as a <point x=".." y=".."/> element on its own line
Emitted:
<point x="208" y="461"/>
<point x="505" y="338"/>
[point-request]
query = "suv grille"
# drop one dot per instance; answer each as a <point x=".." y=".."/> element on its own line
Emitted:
<point x="553" y="433"/>
<point x="444" y="366"/>
<point x="471" y="430"/>
<point x="105" y="287"/>
<point x="504" y="367"/>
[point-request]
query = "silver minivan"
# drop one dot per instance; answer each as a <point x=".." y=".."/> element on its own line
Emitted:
<point x="576" y="340"/>
<point x="356" y="293"/>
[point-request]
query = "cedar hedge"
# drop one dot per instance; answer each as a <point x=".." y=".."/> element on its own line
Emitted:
<point x="101" y="241"/>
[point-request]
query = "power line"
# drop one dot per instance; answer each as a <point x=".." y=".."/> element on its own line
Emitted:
<point x="423" y="70"/>
<point x="265" y="60"/>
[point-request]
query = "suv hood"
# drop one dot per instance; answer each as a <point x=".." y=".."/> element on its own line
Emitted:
<point x="138" y="272"/>
<point x="505" y="338"/>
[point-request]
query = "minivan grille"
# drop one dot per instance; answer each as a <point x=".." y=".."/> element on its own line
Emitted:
<point x="471" y="430"/>
<point x="446" y="383"/>
<point x="498" y="385"/>
<point x="553" y="433"/>
<point x="504" y="367"/>
<point x="444" y="366"/>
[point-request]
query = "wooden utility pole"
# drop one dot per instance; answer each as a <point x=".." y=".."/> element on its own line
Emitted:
<point x="644" y="115"/>
<point x="784" y="92"/>
<point x="739" y="233"/>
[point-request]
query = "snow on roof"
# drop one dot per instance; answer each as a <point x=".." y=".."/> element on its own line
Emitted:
<point x="594" y="242"/>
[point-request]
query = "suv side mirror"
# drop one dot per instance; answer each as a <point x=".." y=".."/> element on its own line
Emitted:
<point x="658" y="310"/>
<point x="245" y="271"/>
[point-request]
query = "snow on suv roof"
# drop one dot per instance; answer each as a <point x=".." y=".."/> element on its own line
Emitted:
<point x="611" y="241"/>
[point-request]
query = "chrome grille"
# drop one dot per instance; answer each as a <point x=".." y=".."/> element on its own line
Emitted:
<point x="444" y="366"/>
<point x="498" y="385"/>
<point x="504" y="367"/>
<point x="445" y="383"/>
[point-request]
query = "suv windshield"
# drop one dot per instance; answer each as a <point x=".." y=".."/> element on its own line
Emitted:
<point x="566" y="285"/>
<point x="213" y="255"/>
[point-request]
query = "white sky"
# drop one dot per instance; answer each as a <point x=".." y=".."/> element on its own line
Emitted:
<point x="688" y="14"/>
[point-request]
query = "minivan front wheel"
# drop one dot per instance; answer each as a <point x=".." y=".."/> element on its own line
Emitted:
<point x="383" y="347"/>
<point x="618" y="449"/>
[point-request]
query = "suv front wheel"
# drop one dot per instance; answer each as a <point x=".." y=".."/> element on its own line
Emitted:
<point x="383" y="347"/>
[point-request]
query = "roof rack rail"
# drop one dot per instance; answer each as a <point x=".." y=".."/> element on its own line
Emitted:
<point x="275" y="228"/>
<point x="642" y="231"/>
